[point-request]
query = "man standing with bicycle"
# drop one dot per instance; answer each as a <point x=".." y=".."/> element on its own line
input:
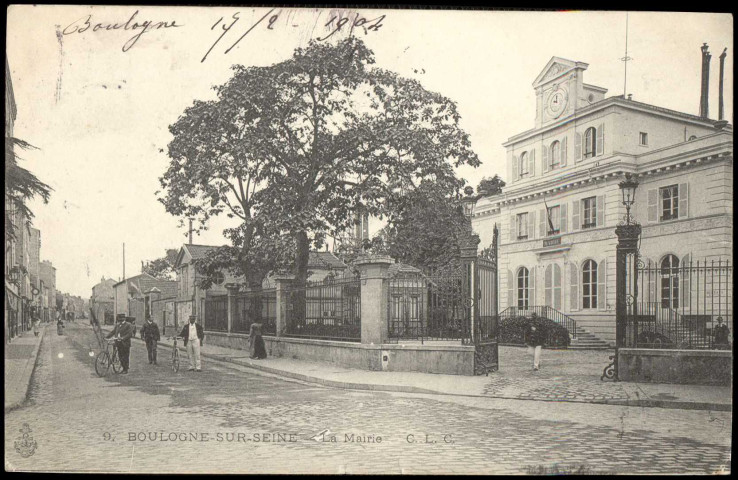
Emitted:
<point x="192" y="334"/>
<point x="122" y="332"/>
<point x="150" y="335"/>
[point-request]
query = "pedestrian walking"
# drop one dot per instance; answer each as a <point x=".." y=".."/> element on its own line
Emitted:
<point x="150" y="335"/>
<point x="193" y="335"/>
<point x="36" y="326"/>
<point x="534" y="340"/>
<point x="721" y="333"/>
<point x="256" y="342"/>
<point x="60" y="327"/>
<point x="123" y="332"/>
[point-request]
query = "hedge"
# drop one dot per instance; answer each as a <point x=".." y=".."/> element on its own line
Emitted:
<point x="513" y="330"/>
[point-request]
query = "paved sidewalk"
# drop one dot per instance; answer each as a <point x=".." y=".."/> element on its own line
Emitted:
<point x="565" y="376"/>
<point x="20" y="359"/>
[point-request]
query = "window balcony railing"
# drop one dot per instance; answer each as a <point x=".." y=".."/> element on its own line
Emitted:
<point x="669" y="216"/>
<point x="522" y="237"/>
<point x="589" y="225"/>
<point x="553" y="232"/>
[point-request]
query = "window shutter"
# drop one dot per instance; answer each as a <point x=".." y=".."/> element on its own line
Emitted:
<point x="684" y="274"/>
<point x="531" y="224"/>
<point x="563" y="152"/>
<point x="513" y="233"/>
<point x="600" y="139"/>
<point x="532" y="286"/>
<point x="683" y="200"/>
<point x="544" y="162"/>
<point x="557" y="287"/>
<point x="602" y="285"/>
<point x="542" y="223"/>
<point x="532" y="162"/>
<point x="578" y="149"/>
<point x="549" y="285"/>
<point x="515" y="168"/>
<point x="653" y="201"/>
<point x="575" y="222"/>
<point x="600" y="221"/>
<point x="510" y="289"/>
<point x="573" y="287"/>
<point x="564" y="219"/>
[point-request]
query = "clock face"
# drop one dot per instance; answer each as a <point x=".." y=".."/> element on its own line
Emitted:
<point x="557" y="102"/>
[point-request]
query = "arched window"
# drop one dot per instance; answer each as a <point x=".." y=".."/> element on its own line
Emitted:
<point x="555" y="154"/>
<point x="523" y="279"/>
<point x="670" y="282"/>
<point x="589" y="284"/>
<point x="523" y="165"/>
<point x="590" y="142"/>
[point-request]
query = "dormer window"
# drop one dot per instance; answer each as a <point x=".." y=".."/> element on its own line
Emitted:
<point x="523" y="165"/>
<point x="590" y="142"/>
<point x="555" y="154"/>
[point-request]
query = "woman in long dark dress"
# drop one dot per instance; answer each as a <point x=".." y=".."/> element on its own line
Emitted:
<point x="60" y="327"/>
<point x="257" y="347"/>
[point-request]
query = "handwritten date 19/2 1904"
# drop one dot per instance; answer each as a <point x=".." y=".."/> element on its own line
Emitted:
<point x="85" y="23"/>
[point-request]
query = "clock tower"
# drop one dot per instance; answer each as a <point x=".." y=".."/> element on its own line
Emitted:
<point x="560" y="91"/>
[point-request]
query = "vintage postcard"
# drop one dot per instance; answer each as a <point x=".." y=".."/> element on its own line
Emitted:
<point x="368" y="241"/>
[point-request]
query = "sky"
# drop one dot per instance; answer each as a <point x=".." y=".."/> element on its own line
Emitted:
<point x="97" y="102"/>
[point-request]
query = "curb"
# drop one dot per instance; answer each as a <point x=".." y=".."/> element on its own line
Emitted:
<point x="28" y="373"/>
<point x="646" y="403"/>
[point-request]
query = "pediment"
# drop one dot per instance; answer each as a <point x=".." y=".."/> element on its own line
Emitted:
<point x="557" y="67"/>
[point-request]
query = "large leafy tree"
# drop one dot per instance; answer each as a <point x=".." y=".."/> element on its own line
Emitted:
<point x="161" y="268"/>
<point x="20" y="187"/>
<point x="318" y="136"/>
<point x="490" y="186"/>
<point x="428" y="229"/>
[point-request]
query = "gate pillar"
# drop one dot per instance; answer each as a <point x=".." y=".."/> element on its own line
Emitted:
<point x="373" y="271"/>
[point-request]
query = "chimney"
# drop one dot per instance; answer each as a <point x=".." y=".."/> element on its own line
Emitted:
<point x="720" y="88"/>
<point x="704" y="108"/>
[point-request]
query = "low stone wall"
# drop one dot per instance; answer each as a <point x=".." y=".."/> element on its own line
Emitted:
<point x="701" y="367"/>
<point x="444" y="359"/>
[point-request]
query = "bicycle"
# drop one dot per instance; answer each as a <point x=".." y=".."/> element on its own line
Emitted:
<point x="175" y="354"/>
<point x="106" y="359"/>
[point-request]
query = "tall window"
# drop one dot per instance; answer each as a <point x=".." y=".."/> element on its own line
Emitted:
<point x="669" y="202"/>
<point x="590" y="212"/>
<point x="523" y="288"/>
<point x="523" y="167"/>
<point x="555" y="154"/>
<point x="590" y="142"/>
<point x="522" y="220"/>
<point x="670" y="282"/>
<point x="643" y="138"/>
<point x="589" y="284"/>
<point x="554" y="214"/>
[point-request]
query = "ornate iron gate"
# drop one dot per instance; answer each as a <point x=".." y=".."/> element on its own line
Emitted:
<point x="486" y="312"/>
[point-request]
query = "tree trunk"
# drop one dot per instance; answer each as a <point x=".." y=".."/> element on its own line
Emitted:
<point x="302" y="255"/>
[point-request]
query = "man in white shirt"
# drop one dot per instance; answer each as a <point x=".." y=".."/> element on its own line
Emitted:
<point x="193" y="336"/>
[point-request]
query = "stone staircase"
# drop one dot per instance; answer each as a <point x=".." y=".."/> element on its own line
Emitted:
<point x="587" y="341"/>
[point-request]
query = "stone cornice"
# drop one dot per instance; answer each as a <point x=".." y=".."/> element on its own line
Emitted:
<point x="601" y="170"/>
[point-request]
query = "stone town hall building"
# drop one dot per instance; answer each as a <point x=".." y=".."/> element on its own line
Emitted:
<point x="571" y="161"/>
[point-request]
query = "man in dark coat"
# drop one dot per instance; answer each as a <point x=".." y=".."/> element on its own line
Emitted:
<point x="721" y="335"/>
<point x="123" y="332"/>
<point x="193" y="335"/>
<point x="150" y="335"/>
<point x="534" y="339"/>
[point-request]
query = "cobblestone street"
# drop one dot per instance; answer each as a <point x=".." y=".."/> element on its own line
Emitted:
<point x="228" y="419"/>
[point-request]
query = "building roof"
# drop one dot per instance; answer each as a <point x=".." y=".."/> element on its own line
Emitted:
<point x="144" y="282"/>
<point x="195" y="251"/>
<point x="323" y="260"/>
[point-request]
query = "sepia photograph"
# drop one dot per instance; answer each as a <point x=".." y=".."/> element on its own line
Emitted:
<point x="368" y="240"/>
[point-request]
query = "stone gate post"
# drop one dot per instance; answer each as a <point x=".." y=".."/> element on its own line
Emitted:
<point x="231" y="304"/>
<point x="373" y="270"/>
<point x="283" y="282"/>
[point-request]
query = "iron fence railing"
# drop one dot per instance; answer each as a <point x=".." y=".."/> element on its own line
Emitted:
<point x="329" y="310"/>
<point x="680" y="304"/>
<point x="258" y="306"/>
<point x="216" y="314"/>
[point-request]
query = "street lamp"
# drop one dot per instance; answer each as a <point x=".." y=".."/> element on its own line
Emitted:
<point x="628" y="188"/>
<point x="469" y="202"/>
